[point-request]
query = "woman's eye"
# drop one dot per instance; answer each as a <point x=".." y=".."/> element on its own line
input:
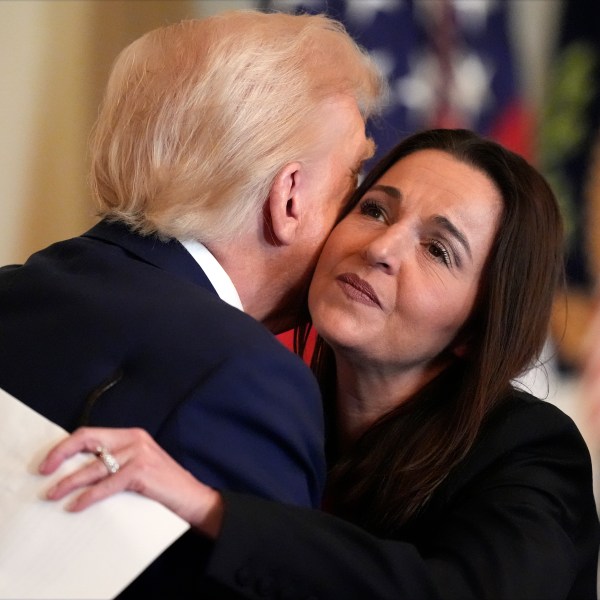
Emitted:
<point x="372" y="209"/>
<point x="439" y="252"/>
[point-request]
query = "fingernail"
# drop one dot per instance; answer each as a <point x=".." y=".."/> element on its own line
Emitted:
<point x="50" y="492"/>
<point x="42" y="466"/>
<point x="71" y="506"/>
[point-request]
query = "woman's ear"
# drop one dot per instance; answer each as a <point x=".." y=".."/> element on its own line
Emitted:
<point x="282" y="209"/>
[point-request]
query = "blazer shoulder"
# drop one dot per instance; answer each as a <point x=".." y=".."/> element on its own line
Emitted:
<point x="522" y="416"/>
<point x="522" y="430"/>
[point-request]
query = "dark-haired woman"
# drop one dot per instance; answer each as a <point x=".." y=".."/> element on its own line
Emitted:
<point x="431" y="296"/>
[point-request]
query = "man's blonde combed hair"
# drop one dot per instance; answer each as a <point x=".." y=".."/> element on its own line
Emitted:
<point x="199" y="116"/>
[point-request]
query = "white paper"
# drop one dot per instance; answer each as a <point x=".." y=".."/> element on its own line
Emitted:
<point x="49" y="553"/>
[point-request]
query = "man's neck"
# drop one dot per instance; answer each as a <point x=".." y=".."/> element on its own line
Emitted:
<point x="216" y="274"/>
<point x="259" y="283"/>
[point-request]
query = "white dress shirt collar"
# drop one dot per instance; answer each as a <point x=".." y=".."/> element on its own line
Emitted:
<point x="214" y="271"/>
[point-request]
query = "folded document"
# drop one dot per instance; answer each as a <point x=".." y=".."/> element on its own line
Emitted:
<point x="47" y="552"/>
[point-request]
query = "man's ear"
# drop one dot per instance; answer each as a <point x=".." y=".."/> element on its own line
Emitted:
<point x="282" y="209"/>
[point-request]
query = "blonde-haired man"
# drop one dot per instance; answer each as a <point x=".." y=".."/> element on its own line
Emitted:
<point x="223" y="152"/>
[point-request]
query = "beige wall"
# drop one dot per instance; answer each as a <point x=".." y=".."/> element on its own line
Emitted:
<point x="54" y="60"/>
<point x="42" y="109"/>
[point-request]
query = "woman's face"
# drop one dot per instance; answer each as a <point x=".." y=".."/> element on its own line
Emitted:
<point x="398" y="276"/>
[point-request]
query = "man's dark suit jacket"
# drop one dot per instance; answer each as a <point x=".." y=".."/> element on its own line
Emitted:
<point x="119" y="330"/>
<point x="515" y="521"/>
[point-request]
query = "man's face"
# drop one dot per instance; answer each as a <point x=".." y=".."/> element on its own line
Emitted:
<point x="334" y="168"/>
<point x="328" y="177"/>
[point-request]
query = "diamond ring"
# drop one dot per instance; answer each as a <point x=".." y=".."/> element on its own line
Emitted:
<point x="110" y="462"/>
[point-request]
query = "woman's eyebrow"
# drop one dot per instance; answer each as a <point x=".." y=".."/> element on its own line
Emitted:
<point x="445" y="223"/>
<point x="388" y="189"/>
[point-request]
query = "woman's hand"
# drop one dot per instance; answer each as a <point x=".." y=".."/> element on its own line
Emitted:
<point x="143" y="467"/>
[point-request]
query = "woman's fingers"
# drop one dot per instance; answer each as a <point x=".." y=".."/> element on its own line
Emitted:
<point x="129" y="459"/>
<point x="89" y="439"/>
<point x="87" y="475"/>
<point x="99" y="473"/>
<point x="104" y="465"/>
<point x="100" y="490"/>
<point x="126" y="459"/>
<point x="85" y="439"/>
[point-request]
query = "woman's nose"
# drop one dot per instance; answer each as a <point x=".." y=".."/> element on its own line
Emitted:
<point x="386" y="250"/>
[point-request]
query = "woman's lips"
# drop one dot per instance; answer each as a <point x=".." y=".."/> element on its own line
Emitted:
<point x="358" y="289"/>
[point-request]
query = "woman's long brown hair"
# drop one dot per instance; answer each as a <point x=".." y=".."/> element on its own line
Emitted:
<point x="393" y="469"/>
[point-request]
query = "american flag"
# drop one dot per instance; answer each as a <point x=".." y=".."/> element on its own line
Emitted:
<point x="449" y="63"/>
